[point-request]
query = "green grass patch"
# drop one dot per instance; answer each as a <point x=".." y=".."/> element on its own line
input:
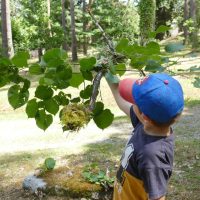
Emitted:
<point x="191" y="102"/>
<point x="122" y="118"/>
<point x="185" y="180"/>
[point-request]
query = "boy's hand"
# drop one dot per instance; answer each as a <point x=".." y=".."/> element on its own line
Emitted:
<point x="111" y="78"/>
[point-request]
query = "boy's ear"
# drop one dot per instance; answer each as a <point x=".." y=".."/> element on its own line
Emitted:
<point x="146" y="118"/>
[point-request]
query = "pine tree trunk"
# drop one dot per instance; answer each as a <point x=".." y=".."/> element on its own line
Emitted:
<point x="49" y="14"/>
<point x="64" y="25"/>
<point x="84" y="29"/>
<point x="192" y="14"/>
<point x="73" y="32"/>
<point x="40" y="53"/>
<point x="7" y="43"/>
<point x="186" y="17"/>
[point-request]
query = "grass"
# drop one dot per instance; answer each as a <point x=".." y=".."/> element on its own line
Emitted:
<point x="24" y="147"/>
<point x="192" y="102"/>
<point x="185" y="181"/>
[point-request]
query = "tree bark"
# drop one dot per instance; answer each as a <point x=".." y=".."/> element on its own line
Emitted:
<point x="84" y="29"/>
<point x="64" y="25"/>
<point x="7" y="43"/>
<point x="40" y="53"/>
<point x="186" y="17"/>
<point x="49" y="14"/>
<point x="73" y="32"/>
<point x="192" y="14"/>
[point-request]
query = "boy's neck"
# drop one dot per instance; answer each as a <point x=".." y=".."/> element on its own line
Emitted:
<point x="157" y="131"/>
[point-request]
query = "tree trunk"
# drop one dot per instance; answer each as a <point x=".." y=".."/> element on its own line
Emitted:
<point x="73" y="32"/>
<point x="186" y="17"/>
<point x="49" y="14"/>
<point x="90" y="3"/>
<point x="64" y="25"/>
<point x="147" y="11"/>
<point x="7" y="43"/>
<point x="40" y="53"/>
<point x="192" y="14"/>
<point x="84" y="29"/>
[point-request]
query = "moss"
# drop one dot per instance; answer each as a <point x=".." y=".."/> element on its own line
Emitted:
<point x="62" y="181"/>
<point x="75" y="116"/>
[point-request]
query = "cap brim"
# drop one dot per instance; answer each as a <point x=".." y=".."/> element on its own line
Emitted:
<point x="125" y="89"/>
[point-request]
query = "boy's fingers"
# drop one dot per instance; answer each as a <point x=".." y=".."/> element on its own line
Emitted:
<point x="111" y="78"/>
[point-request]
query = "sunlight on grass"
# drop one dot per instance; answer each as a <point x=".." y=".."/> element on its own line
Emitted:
<point x="192" y="102"/>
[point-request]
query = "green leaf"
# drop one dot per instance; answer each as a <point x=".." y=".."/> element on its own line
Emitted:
<point x="104" y="119"/>
<point x="196" y="83"/>
<point x="99" y="106"/>
<point x="87" y="92"/>
<point x="75" y="100"/>
<point x="111" y="78"/>
<point x="153" y="66"/>
<point x="43" y="92"/>
<point x="121" y="45"/>
<point x="53" y="55"/>
<point x="152" y="34"/>
<point x="35" y="69"/>
<point x="5" y="62"/>
<point x="50" y="163"/>
<point x="26" y="85"/>
<point x="46" y="81"/>
<point x="21" y="59"/>
<point x="136" y="63"/>
<point x="76" y="80"/>
<point x="51" y="106"/>
<point x="174" y="47"/>
<point x="55" y="62"/>
<point x="87" y="64"/>
<point x="162" y="29"/>
<point x="43" y="120"/>
<point x="3" y="81"/>
<point x="31" y="108"/>
<point x="17" y="97"/>
<point x="64" y="74"/>
<point x="87" y="75"/>
<point x="153" y="48"/>
<point x="60" y="84"/>
<point x="120" y="69"/>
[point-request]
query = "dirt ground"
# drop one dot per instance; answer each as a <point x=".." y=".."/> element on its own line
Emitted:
<point x="191" y="116"/>
<point x="23" y="145"/>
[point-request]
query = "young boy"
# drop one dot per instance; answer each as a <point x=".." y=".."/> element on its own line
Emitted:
<point x="153" y="103"/>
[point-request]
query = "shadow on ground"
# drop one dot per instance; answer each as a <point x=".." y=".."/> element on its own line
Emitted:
<point x="184" y="184"/>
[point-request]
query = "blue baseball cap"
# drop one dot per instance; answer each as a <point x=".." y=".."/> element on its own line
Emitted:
<point x="158" y="96"/>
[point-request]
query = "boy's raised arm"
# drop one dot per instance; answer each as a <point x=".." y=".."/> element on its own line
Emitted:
<point x="122" y="104"/>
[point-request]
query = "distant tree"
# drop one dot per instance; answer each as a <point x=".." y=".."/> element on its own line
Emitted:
<point x="48" y="15"/>
<point x="147" y="11"/>
<point x="164" y="14"/>
<point x="64" y="26"/>
<point x="7" y="43"/>
<point x="84" y="29"/>
<point x="193" y="17"/>
<point x="186" y="17"/>
<point x="73" y="32"/>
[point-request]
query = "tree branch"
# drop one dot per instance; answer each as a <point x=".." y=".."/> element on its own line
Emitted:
<point x="95" y="90"/>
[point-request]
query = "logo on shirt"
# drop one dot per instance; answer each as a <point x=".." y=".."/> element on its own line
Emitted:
<point x="124" y="163"/>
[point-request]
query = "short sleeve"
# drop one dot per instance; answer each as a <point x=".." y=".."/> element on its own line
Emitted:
<point x="133" y="117"/>
<point x="155" y="181"/>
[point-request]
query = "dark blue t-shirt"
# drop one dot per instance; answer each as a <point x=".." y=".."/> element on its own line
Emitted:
<point x="147" y="158"/>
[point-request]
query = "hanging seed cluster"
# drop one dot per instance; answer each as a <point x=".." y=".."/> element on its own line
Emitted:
<point x="74" y="116"/>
